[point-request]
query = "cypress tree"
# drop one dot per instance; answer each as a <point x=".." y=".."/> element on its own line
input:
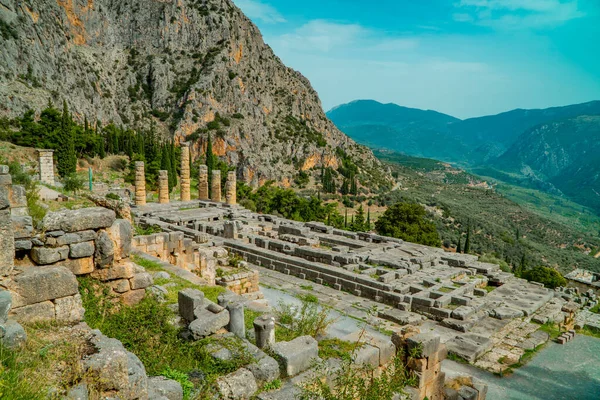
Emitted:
<point x="368" y="219"/>
<point x="210" y="162"/>
<point x="65" y="153"/>
<point x="346" y="219"/>
<point x="468" y="240"/>
<point x="165" y="163"/>
<point x="458" y="247"/>
<point x="173" y="170"/>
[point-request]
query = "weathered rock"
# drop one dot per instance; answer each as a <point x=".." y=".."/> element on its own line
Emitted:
<point x="37" y="284"/>
<point x="115" y="369"/>
<point x="161" y="388"/>
<point x="78" y="220"/>
<point x="49" y="255"/>
<point x="21" y="245"/>
<point x="133" y="297"/>
<point x="14" y="335"/>
<point x="69" y="309"/>
<point x="76" y="237"/>
<point x="424" y="344"/>
<point x="78" y="392"/>
<point x="239" y="385"/>
<point x="22" y="227"/>
<point x="120" y="285"/>
<point x="79" y="266"/>
<point x="120" y="271"/>
<point x="38" y="312"/>
<point x="105" y="250"/>
<point x="298" y="355"/>
<point x="208" y="323"/>
<point x="7" y="242"/>
<point x="80" y="250"/>
<point x="141" y="281"/>
<point x="5" y="305"/>
<point x="189" y="300"/>
<point x="121" y="233"/>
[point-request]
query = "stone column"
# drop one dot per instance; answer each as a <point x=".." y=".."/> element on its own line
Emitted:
<point x="46" y="166"/>
<point x="140" y="184"/>
<point x="230" y="189"/>
<point x="7" y="239"/>
<point x="163" y="187"/>
<point x="236" y="319"/>
<point x="264" y="331"/>
<point x="185" y="172"/>
<point x="215" y="192"/>
<point x="203" y="183"/>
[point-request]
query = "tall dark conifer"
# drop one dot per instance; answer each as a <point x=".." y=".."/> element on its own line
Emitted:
<point x="468" y="239"/>
<point x="66" y="159"/>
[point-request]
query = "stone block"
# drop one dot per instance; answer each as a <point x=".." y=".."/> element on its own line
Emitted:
<point x="121" y="233"/>
<point x="22" y="227"/>
<point x="265" y="369"/>
<point x="120" y="285"/>
<point x="161" y="388"/>
<point x="37" y="284"/>
<point x="49" y="255"/>
<point x="14" y="335"/>
<point x="76" y="237"/>
<point x="120" y="271"/>
<point x="189" y="300"/>
<point x="133" y="297"/>
<point x="238" y="385"/>
<point x="423" y="344"/>
<point x="105" y="250"/>
<point x="69" y="309"/>
<point x="366" y="355"/>
<point x="38" y="312"/>
<point x="141" y="281"/>
<point x="437" y="357"/>
<point x="80" y="266"/>
<point x="208" y="323"/>
<point x="298" y="355"/>
<point x="79" y="220"/>
<point x="5" y="305"/>
<point x="21" y="245"/>
<point x="80" y="250"/>
<point x="468" y="393"/>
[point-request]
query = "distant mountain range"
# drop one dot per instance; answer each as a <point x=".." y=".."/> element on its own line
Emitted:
<point x="556" y="149"/>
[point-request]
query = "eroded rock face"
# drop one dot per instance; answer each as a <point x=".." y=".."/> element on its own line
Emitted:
<point x="196" y="59"/>
<point x="38" y="284"/>
<point x="78" y="220"/>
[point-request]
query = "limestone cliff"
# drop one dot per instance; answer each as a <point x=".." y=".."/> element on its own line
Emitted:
<point x="193" y="67"/>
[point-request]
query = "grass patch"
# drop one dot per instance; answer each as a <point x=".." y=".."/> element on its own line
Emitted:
<point x="445" y="289"/>
<point x="308" y="319"/>
<point x="306" y="287"/>
<point x="489" y="288"/>
<point x="147" y="230"/>
<point x="456" y="358"/>
<point x="551" y="329"/>
<point x="145" y="330"/>
<point x="337" y="348"/>
<point x="273" y="385"/>
<point x="210" y="292"/>
<point x="589" y="332"/>
<point x="595" y="309"/>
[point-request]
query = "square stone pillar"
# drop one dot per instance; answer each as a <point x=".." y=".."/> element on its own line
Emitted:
<point x="140" y="184"/>
<point x="215" y="190"/>
<point x="46" y="164"/>
<point x="163" y="187"/>
<point x="7" y="239"/>
<point x="203" y="182"/>
<point x="185" y="172"/>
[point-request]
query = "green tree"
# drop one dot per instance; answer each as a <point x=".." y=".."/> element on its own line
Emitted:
<point x="550" y="277"/>
<point x="66" y="159"/>
<point x="368" y="219"/>
<point x="165" y="163"/>
<point x="407" y="221"/>
<point x="358" y="222"/>
<point x="468" y="239"/>
<point x="210" y="162"/>
<point x="458" y="246"/>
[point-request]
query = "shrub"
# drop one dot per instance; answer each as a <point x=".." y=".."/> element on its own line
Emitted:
<point x="306" y="320"/>
<point x="407" y="221"/>
<point x="550" y="277"/>
<point x="73" y="183"/>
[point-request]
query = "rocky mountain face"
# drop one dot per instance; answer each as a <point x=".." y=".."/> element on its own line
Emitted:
<point x="190" y="67"/>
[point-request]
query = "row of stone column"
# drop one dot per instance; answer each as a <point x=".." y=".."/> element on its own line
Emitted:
<point x="163" y="183"/>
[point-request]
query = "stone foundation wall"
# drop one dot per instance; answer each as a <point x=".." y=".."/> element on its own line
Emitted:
<point x="171" y="247"/>
<point x="244" y="282"/>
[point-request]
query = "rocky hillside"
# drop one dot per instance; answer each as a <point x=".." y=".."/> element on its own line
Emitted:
<point x="565" y="154"/>
<point x="191" y="67"/>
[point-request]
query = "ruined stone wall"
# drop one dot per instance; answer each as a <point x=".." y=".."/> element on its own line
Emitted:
<point x="171" y="247"/>
<point x="242" y="282"/>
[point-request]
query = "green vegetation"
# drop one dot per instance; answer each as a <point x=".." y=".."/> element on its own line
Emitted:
<point x="353" y="382"/>
<point x="499" y="227"/>
<point x="147" y="230"/>
<point x="19" y="177"/>
<point x="309" y="319"/>
<point x="337" y="348"/>
<point x="550" y="277"/>
<point x="273" y="385"/>
<point x="145" y="329"/>
<point x="407" y="221"/>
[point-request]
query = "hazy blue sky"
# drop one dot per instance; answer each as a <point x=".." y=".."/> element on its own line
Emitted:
<point x="462" y="57"/>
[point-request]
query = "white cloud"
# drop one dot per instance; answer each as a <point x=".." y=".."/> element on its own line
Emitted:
<point x="518" y="14"/>
<point x="326" y="36"/>
<point x="257" y="10"/>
